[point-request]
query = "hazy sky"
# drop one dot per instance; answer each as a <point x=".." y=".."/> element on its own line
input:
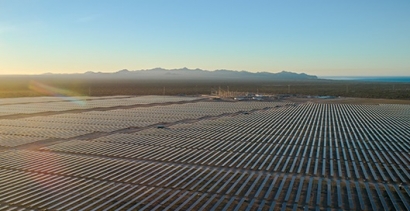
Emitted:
<point x="326" y="38"/>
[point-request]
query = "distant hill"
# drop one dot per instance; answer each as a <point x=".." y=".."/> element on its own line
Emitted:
<point x="197" y="74"/>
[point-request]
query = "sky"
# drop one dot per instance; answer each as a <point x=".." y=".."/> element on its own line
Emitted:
<point x="318" y="37"/>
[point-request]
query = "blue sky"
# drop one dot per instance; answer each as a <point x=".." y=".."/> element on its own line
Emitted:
<point x="325" y="38"/>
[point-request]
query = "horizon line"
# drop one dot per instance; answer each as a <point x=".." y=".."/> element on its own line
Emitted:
<point x="112" y="72"/>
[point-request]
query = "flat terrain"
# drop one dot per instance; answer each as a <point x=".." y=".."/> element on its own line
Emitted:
<point x="107" y="153"/>
<point x="43" y="85"/>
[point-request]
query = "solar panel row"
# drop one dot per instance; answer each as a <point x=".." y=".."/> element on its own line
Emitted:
<point x="8" y="106"/>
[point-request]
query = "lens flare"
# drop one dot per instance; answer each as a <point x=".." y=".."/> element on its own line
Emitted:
<point x="64" y="94"/>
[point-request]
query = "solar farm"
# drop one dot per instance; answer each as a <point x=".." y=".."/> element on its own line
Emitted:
<point x="192" y="153"/>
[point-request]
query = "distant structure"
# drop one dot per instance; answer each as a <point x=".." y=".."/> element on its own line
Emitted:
<point x="240" y="96"/>
<point x="224" y="93"/>
<point x="326" y="97"/>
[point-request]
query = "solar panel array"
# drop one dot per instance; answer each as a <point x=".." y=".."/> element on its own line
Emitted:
<point x="212" y="156"/>
<point x="70" y="125"/>
<point x="47" y="99"/>
<point x="14" y="106"/>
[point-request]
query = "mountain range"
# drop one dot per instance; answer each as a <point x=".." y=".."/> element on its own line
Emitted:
<point x="197" y="74"/>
